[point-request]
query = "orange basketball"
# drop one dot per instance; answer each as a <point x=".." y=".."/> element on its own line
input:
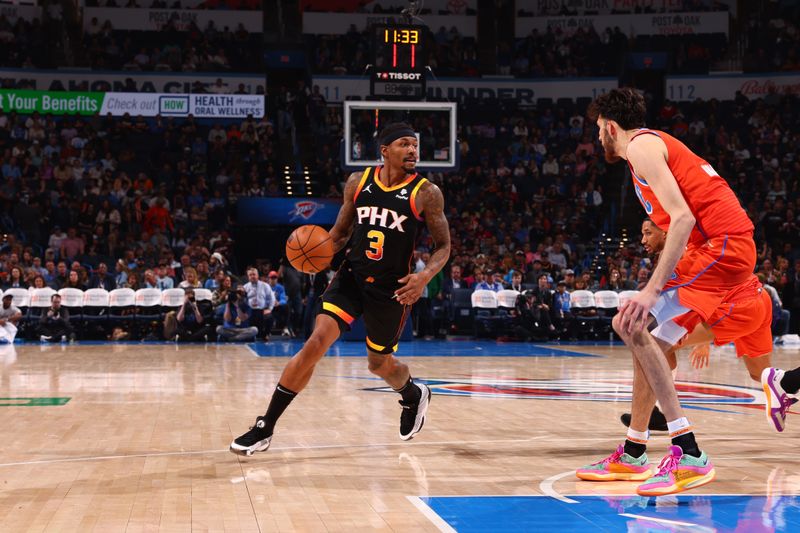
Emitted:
<point x="309" y="249"/>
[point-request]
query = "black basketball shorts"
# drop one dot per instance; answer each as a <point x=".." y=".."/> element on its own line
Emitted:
<point x="349" y="297"/>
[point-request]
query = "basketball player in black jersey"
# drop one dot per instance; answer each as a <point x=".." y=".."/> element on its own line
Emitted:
<point x="383" y="210"/>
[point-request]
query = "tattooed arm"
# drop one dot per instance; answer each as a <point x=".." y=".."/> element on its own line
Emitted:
<point x="343" y="228"/>
<point x="431" y="202"/>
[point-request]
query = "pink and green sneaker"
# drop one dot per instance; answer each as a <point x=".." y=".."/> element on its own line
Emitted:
<point x="678" y="472"/>
<point x="619" y="466"/>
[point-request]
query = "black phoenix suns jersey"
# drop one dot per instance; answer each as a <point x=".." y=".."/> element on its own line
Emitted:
<point x="386" y="226"/>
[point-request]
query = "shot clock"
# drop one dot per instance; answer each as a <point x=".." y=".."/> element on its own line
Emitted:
<point x="399" y="62"/>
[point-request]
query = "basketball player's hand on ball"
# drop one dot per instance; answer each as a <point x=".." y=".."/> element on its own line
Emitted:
<point x="699" y="356"/>
<point x="636" y="311"/>
<point x="412" y="290"/>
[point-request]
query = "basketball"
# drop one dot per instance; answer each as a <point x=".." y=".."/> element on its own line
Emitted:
<point x="309" y="249"/>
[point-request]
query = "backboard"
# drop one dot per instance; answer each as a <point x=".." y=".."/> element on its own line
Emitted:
<point x="434" y="123"/>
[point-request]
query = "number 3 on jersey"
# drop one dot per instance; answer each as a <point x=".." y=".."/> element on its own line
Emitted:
<point x="375" y="244"/>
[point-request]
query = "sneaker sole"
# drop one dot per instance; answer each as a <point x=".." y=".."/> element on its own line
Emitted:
<point x="679" y="487"/>
<point x="260" y="446"/>
<point x="424" y="402"/>
<point x="774" y="421"/>
<point x="614" y="476"/>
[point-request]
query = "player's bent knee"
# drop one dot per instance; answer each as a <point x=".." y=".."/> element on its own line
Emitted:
<point x="616" y="323"/>
<point x="381" y="364"/>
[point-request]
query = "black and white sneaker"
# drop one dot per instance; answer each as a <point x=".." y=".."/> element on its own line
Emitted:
<point x="413" y="416"/>
<point x="658" y="421"/>
<point x="255" y="440"/>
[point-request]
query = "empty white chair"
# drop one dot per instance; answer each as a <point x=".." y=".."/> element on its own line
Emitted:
<point x="119" y="300"/>
<point x="581" y="300"/>
<point x="173" y="297"/>
<point x="71" y="297"/>
<point x="624" y="296"/>
<point x="148" y="304"/>
<point x="122" y="298"/>
<point x="95" y="298"/>
<point x="95" y="305"/>
<point x="40" y="300"/>
<point x="147" y="297"/>
<point x="202" y="295"/>
<point x="41" y="297"/>
<point x="606" y="299"/>
<point x="483" y="299"/>
<point x="507" y="298"/>
<point x="20" y="297"/>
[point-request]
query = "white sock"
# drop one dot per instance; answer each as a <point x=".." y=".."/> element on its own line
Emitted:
<point x="639" y="437"/>
<point x="679" y="427"/>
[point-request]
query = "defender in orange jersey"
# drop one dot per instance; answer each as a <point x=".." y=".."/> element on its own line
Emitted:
<point x="744" y="318"/>
<point x="709" y="251"/>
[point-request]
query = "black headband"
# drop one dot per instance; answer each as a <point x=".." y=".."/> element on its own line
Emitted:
<point x="391" y="137"/>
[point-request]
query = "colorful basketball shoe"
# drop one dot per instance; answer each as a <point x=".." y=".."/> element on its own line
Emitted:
<point x="778" y="402"/>
<point x="619" y="466"/>
<point x="678" y="472"/>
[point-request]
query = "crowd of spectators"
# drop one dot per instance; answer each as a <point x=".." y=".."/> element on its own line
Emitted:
<point x="25" y="44"/>
<point x="178" y="4"/>
<point x="585" y="52"/>
<point x="125" y="202"/>
<point x="769" y="44"/>
<point x="772" y="42"/>
<point x="531" y="193"/>
<point x="567" y="9"/>
<point x="173" y="48"/>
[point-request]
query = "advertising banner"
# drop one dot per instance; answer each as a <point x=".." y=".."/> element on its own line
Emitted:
<point x="647" y="24"/>
<point x="104" y="81"/>
<point x="122" y="18"/>
<point x="72" y="103"/>
<point x="144" y="104"/>
<point x="340" y="23"/>
<point x="606" y="7"/>
<point x="337" y="88"/>
<point x="455" y="7"/>
<point x="725" y="86"/>
<point x="287" y="211"/>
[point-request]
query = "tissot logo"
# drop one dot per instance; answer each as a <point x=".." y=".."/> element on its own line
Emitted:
<point x="410" y="76"/>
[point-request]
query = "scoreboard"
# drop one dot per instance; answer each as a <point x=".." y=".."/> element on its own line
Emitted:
<point x="399" y="62"/>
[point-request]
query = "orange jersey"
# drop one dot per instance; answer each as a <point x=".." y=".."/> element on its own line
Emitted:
<point x="716" y="209"/>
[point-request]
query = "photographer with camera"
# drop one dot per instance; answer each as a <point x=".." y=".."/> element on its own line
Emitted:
<point x="54" y="323"/>
<point x="532" y="318"/>
<point x="191" y="326"/>
<point x="237" y="318"/>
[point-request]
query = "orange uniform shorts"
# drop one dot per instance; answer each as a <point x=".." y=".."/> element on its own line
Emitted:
<point x="744" y="318"/>
<point x="709" y="270"/>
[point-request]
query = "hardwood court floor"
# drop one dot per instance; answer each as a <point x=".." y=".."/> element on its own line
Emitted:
<point x="141" y="443"/>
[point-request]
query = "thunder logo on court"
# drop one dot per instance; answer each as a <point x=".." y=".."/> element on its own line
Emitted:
<point x="589" y="390"/>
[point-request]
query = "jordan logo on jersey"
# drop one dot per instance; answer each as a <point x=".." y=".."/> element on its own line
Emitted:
<point x="379" y="216"/>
